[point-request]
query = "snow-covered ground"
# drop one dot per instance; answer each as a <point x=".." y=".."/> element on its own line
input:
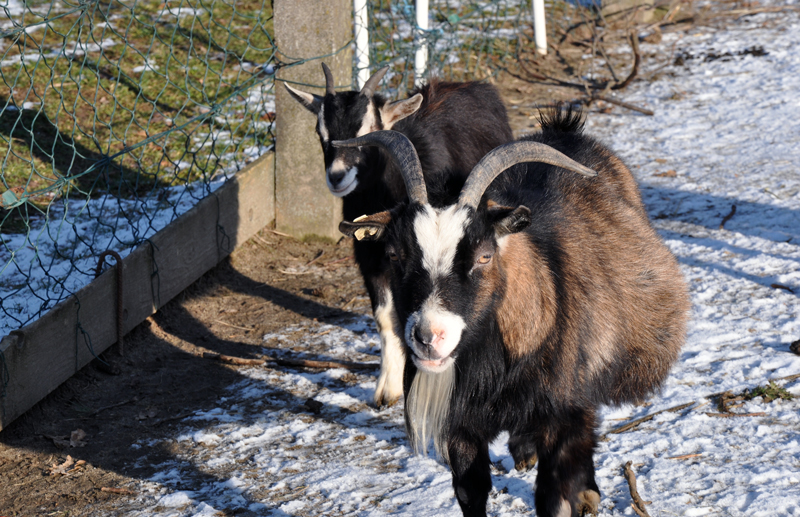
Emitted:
<point x="730" y="131"/>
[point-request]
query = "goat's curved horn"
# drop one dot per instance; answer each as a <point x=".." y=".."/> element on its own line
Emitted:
<point x="329" y="89"/>
<point x="505" y="156"/>
<point x="372" y="83"/>
<point x="402" y="152"/>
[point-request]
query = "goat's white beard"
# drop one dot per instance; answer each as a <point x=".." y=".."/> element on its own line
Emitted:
<point x="427" y="407"/>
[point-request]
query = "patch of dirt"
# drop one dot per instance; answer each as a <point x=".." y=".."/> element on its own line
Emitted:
<point x="268" y="284"/>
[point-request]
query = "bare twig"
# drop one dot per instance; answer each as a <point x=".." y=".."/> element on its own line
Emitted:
<point x="634" y="423"/>
<point x="231" y="325"/>
<point x="276" y="232"/>
<point x="638" y="505"/>
<point x="781" y="286"/>
<point x="637" y="59"/>
<point x="729" y="415"/>
<point x="295" y="273"/>
<point x="623" y="104"/>
<point x="120" y="491"/>
<point x="319" y="254"/>
<point x="325" y="365"/>
<point x="98" y="411"/>
<point x="727" y="217"/>
<point x="684" y="456"/>
<point x="228" y="359"/>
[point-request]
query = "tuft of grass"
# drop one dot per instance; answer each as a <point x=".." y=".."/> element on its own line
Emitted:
<point x="768" y="393"/>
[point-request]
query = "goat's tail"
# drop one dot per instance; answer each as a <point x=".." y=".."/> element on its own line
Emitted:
<point x="563" y="118"/>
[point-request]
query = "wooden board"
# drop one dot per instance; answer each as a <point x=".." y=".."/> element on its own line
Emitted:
<point x="45" y="353"/>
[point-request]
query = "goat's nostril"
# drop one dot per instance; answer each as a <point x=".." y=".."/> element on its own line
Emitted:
<point x="422" y="336"/>
<point x="335" y="179"/>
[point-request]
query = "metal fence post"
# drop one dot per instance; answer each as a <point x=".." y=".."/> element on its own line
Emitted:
<point x="361" y="33"/>
<point x="318" y="32"/>
<point x="539" y="30"/>
<point x="421" y="55"/>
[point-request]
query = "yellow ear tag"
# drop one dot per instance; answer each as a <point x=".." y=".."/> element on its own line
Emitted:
<point x="363" y="233"/>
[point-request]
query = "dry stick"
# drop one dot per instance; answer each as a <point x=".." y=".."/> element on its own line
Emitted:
<point x="305" y="363"/>
<point x="727" y="217"/>
<point x="637" y="59"/>
<point x="228" y="359"/>
<point x="684" y="456"/>
<point x="730" y="415"/>
<point x="98" y="411"/>
<point x="638" y="505"/>
<point x="121" y="491"/>
<point x="781" y="286"/>
<point x="276" y="232"/>
<point x="230" y="325"/>
<point x="634" y="423"/>
<point x="623" y="104"/>
<point x="295" y="273"/>
<point x="339" y="260"/>
<point x="320" y="254"/>
<point x="326" y="365"/>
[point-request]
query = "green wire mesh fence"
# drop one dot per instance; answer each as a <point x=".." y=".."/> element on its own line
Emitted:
<point x="117" y="116"/>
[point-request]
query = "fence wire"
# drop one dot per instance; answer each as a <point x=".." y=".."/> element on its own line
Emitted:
<point x="118" y="116"/>
<point x="115" y="118"/>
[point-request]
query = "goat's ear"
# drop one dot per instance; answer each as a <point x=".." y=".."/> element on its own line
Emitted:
<point x="311" y="102"/>
<point x="367" y="227"/>
<point x="507" y="220"/>
<point x="394" y="112"/>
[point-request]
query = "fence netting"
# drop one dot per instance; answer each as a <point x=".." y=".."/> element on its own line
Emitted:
<point x="118" y="116"/>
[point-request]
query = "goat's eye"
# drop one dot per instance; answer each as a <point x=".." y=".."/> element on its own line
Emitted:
<point x="392" y="255"/>
<point x="485" y="258"/>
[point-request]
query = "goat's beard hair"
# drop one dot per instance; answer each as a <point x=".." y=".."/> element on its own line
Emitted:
<point x="428" y="408"/>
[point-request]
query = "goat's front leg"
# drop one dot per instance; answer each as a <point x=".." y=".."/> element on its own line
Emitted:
<point x="393" y="358"/>
<point x="565" y="482"/>
<point x="472" y="479"/>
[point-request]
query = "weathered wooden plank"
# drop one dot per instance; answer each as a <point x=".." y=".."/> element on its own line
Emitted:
<point x="42" y="355"/>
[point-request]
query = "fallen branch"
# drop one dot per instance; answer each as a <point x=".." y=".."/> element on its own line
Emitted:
<point x="637" y="59"/>
<point x="325" y="365"/>
<point x="727" y="217"/>
<point x="781" y="286"/>
<point x="684" y="456"/>
<point x="276" y="232"/>
<point x="637" y="504"/>
<point x="231" y="325"/>
<point x="634" y="423"/>
<point x="98" y="411"/>
<point x="120" y="491"/>
<point x="228" y="359"/>
<point x="729" y="415"/>
<point x="626" y="105"/>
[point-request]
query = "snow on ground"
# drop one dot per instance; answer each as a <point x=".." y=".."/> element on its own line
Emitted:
<point x="730" y="129"/>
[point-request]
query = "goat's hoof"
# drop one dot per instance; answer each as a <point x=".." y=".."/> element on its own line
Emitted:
<point x="385" y="399"/>
<point x="526" y="464"/>
<point x="588" y="502"/>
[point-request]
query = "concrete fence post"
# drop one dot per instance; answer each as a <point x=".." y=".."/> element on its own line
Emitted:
<point x="306" y="29"/>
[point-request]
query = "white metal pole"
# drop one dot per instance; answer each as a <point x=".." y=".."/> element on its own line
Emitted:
<point x="421" y="56"/>
<point x="539" y="31"/>
<point x="361" y="30"/>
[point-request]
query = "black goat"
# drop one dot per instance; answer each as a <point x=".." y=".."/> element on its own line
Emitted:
<point x="528" y="308"/>
<point x="451" y="125"/>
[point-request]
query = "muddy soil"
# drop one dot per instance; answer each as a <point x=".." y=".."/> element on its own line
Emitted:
<point x="269" y="283"/>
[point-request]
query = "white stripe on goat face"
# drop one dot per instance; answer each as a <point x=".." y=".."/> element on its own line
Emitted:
<point x="438" y="234"/>
<point x="321" y="127"/>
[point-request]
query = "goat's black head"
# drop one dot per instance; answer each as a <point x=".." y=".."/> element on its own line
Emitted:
<point x="444" y="276"/>
<point x="346" y="115"/>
